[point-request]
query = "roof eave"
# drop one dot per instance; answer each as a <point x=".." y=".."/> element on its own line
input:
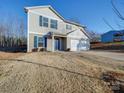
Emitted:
<point x="74" y="23"/>
<point x="49" y="6"/>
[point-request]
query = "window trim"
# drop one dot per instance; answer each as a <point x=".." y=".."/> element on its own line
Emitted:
<point x="41" y="41"/>
<point x="42" y="22"/>
<point x="68" y="27"/>
<point x="45" y="22"/>
<point x="54" y="24"/>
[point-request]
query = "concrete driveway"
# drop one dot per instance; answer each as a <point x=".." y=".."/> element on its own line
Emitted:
<point x="112" y="55"/>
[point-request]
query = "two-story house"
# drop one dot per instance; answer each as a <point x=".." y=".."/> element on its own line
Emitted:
<point x="49" y="30"/>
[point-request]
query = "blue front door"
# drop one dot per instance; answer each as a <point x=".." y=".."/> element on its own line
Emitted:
<point x="45" y="42"/>
<point x="57" y="44"/>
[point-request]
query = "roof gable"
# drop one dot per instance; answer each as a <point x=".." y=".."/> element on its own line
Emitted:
<point x="78" y="33"/>
<point x="45" y="11"/>
<point x="50" y="7"/>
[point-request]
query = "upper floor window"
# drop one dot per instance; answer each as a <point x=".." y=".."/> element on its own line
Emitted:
<point x="68" y="27"/>
<point x="43" y="21"/>
<point x="53" y="24"/>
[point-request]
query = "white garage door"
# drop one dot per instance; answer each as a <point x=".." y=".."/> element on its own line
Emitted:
<point x="78" y="45"/>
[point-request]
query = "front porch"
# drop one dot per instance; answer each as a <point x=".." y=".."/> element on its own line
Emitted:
<point x="56" y="42"/>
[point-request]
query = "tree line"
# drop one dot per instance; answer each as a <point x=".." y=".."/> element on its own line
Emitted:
<point x="12" y="32"/>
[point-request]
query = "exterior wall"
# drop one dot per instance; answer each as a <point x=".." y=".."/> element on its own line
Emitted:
<point x="64" y="43"/>
<point x="87" y="42"/>
<point x="79" y="45"/>
<point x="78" y="34"/>
<point x="31" y="41"/>
<point x="34" y="26"/>
<point x="68" y="42"/>
<point x="46" y="12"/>
<point x="49" y="44"/>
<point x="108" y="37"/>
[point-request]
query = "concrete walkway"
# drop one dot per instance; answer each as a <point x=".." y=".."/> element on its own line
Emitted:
<point x="113" y="55"/>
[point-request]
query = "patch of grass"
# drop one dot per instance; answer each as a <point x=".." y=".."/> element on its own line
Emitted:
<point x="117" y="43"/>
<point x="121" y="68"/>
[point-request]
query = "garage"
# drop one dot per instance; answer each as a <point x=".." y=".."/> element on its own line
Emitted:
<point x="77" y="40"/>
<point x="79" y="45"/>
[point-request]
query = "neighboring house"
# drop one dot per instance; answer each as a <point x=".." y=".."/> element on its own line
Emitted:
<point x="113" y="36"/>
<point x="49" y="30"/>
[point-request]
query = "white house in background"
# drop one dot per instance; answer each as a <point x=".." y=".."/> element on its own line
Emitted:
<point x="48" y="30"/>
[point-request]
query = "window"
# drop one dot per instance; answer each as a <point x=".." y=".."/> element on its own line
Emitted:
<point x="43" y="21"/>
<point x="41" y="41"/>
<point x="53" y="24"/>
<point x="68" y="27"/>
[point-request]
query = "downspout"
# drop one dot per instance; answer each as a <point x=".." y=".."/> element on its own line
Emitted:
<point x="28" y="31"/>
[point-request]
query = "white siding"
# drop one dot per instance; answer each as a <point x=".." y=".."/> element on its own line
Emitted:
<point x="46" y="12"/>
<point x="35" y="27"/>
<point x="79" y="45"/>
<point x="78" y="34"/>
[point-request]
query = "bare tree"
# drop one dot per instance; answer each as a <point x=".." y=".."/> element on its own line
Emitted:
<point x="12" y="32"/>
<point x="95" y="37"/>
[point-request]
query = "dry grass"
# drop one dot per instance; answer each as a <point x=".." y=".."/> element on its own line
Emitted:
<point x="7" y="55"/>
<point x="55" y="73"/>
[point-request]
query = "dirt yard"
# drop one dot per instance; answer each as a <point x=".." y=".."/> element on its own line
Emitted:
<point x="9" y="55"/>
<point x="112" y="55"/>
<point x="64" y="72"/>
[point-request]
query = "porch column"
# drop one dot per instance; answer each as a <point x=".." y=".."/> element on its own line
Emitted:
<point x="52" y="43"/>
